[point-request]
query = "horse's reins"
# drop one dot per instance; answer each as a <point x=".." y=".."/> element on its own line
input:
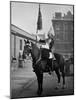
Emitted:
<point x="38" y="59"/>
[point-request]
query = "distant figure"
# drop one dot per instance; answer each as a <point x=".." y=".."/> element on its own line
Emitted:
<point x="26" y="49"/>
<point x="20" y="60"/>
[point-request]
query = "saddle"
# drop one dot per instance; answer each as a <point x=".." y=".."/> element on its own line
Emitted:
<point x="44" y="53"/>
<point x="49" y="57"/>
<point x="47" y="54"/>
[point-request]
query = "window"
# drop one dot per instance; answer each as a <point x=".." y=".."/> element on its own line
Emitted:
<point x="57" y="27"/>
<point x="65" y="33"/>
<point x="20" y="44"/>
<point x="57" y="35"/>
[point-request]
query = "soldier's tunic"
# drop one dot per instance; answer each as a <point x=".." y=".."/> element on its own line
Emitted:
<point x="46" y="46"/>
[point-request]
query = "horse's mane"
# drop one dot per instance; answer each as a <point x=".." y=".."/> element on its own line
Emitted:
<point x="35" y="50"/>
<point x="34" y="45"/>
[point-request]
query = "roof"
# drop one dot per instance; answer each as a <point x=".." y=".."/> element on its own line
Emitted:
<point x="21" y="33"/>
<point x="61" y="19"/>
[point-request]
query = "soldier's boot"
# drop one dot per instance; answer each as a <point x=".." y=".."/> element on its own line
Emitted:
<point x="50" y="66"/>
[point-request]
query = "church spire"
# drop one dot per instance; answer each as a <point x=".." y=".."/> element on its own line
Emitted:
<point x="39" y="22"/>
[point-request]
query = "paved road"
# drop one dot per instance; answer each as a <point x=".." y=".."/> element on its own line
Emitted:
<point x="24" y="83"/>
<point x="21" y="76"/>
<point x="49" y="84"/>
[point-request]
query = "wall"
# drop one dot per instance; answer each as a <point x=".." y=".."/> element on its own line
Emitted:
<point x="64" y="36"/>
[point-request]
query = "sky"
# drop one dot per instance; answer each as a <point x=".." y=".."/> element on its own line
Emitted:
<point x="25" y="15"/>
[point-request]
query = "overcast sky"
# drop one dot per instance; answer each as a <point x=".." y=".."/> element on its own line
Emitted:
<point x="25" y="15"/>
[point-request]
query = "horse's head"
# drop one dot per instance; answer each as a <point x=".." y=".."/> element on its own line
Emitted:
<point x="34" y="50"/>
<point x="27" y="47"/>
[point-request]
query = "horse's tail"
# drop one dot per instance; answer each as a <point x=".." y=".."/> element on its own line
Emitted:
<point x="61" y="61"/>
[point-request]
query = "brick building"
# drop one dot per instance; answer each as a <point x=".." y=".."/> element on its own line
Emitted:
<point x="64" y="31"/>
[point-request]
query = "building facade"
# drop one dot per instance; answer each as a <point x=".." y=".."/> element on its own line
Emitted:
<point x="64" y="33"/>
<point x="17" y="38"/>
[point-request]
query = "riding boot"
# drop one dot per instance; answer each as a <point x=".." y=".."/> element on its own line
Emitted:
<point x="50" y="71"/>
<point x="50" y="66"/>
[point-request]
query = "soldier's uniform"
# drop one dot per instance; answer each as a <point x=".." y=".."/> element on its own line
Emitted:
<point x="51" y="57"/>
<point x="47" y="51"/>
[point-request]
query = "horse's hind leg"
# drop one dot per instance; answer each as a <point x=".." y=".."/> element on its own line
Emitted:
<point x="63" y="76"/>
<point x="58" y="76"/>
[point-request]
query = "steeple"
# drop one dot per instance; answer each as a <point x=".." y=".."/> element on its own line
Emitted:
<point x="39" y="22"/>
<point x="39" y="11"/>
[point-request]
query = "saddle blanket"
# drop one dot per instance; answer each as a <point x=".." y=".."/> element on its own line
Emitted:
<point x="46" y="46"/>
<point x="47" y="54"/>
<point x="50" y="55"/>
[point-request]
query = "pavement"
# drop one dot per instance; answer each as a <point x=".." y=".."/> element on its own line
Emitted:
<point x="21" y="76"/>
<point x="24" y="83"/>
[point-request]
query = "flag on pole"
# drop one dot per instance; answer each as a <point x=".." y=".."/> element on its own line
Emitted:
<point x="39" y="22"/>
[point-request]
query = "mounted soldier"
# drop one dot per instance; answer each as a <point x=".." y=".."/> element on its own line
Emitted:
<point x="47" y="50"/>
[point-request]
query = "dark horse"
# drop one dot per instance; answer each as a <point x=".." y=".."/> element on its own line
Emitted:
<point x="39" y="66"/>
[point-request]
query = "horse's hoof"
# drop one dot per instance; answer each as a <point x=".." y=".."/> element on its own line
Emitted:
<point x="64" y="86"/>
<point x="58" y="86"/>
<point x="39" y="93"/>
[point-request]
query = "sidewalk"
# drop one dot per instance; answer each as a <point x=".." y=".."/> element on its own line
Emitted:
<point x="22" y="76"/>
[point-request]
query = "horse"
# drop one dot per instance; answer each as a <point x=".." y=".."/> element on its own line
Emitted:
<point x="39" y="66"/>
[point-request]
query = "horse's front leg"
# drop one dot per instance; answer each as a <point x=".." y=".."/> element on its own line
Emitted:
<point x="40" y="82"/>
<point x="58" y="76"/>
